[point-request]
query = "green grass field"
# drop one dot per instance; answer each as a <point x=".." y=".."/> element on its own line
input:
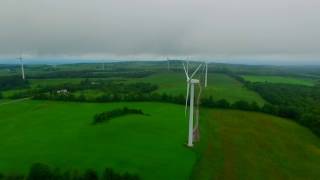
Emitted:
<point x="60" y="134"/>
<point x="248" y="145"/>
<point x="220" y="86"/>
<point x="280" y="79"/>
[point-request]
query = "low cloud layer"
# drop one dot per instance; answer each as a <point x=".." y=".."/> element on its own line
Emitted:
<point x="227" y="29"/>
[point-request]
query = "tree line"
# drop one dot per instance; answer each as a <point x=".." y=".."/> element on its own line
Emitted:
<point x="108" y="115"/>
<point x="12" y="82"/>
<point x="39" y="171"/>
<point x="91" y="74"/>
<point x="108" y="87"/>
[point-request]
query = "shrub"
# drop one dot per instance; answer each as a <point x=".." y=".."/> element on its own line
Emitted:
<point x="223" y="103"/>
<point x="108" y="115"/>
<point x="40" y="171"/>
<point x="14" y="177"/>
<point x="90" y="175"/>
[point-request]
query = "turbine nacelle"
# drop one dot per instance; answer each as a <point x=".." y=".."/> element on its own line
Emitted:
<point x="194" y="81"/>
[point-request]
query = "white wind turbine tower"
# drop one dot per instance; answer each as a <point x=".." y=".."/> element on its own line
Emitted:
<point x="22" y="68"/>
<point x="190" y="85"/>
<point x="168" y="64"/>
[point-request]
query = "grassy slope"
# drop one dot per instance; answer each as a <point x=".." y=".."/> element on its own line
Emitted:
<point x="280" y="79"/>
<point x="61" y="135"/>
<point x="219" y="86"/>
<point x="247" y="145"/>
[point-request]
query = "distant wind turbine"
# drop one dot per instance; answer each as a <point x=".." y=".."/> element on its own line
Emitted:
<point x="22" y="68"/>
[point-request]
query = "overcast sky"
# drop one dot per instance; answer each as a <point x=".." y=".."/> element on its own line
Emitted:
<point x="254" y="30"/>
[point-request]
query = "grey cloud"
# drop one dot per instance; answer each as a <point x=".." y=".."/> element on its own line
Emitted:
<point x="230" y="28"/>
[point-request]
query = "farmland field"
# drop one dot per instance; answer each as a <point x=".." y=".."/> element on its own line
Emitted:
<point x="248" y="145"/>
<point x="280" y="79"/>
<point x="61" y="134"/>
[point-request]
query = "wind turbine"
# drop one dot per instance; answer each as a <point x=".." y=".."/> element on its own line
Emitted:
<point x="190" y="86"/>
<point x="22" y="68"/>
<point x="168" y="64"/>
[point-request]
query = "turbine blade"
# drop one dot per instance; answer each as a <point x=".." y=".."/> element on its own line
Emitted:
<point x="194" y="73"/>
<point x="187" y="98"/>
<point x="185" y="71"/>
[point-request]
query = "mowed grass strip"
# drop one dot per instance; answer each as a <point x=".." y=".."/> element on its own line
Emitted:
<point x="61" y="135"/>
<point x="280" y="80"/>
<point x="248" y="145"/>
